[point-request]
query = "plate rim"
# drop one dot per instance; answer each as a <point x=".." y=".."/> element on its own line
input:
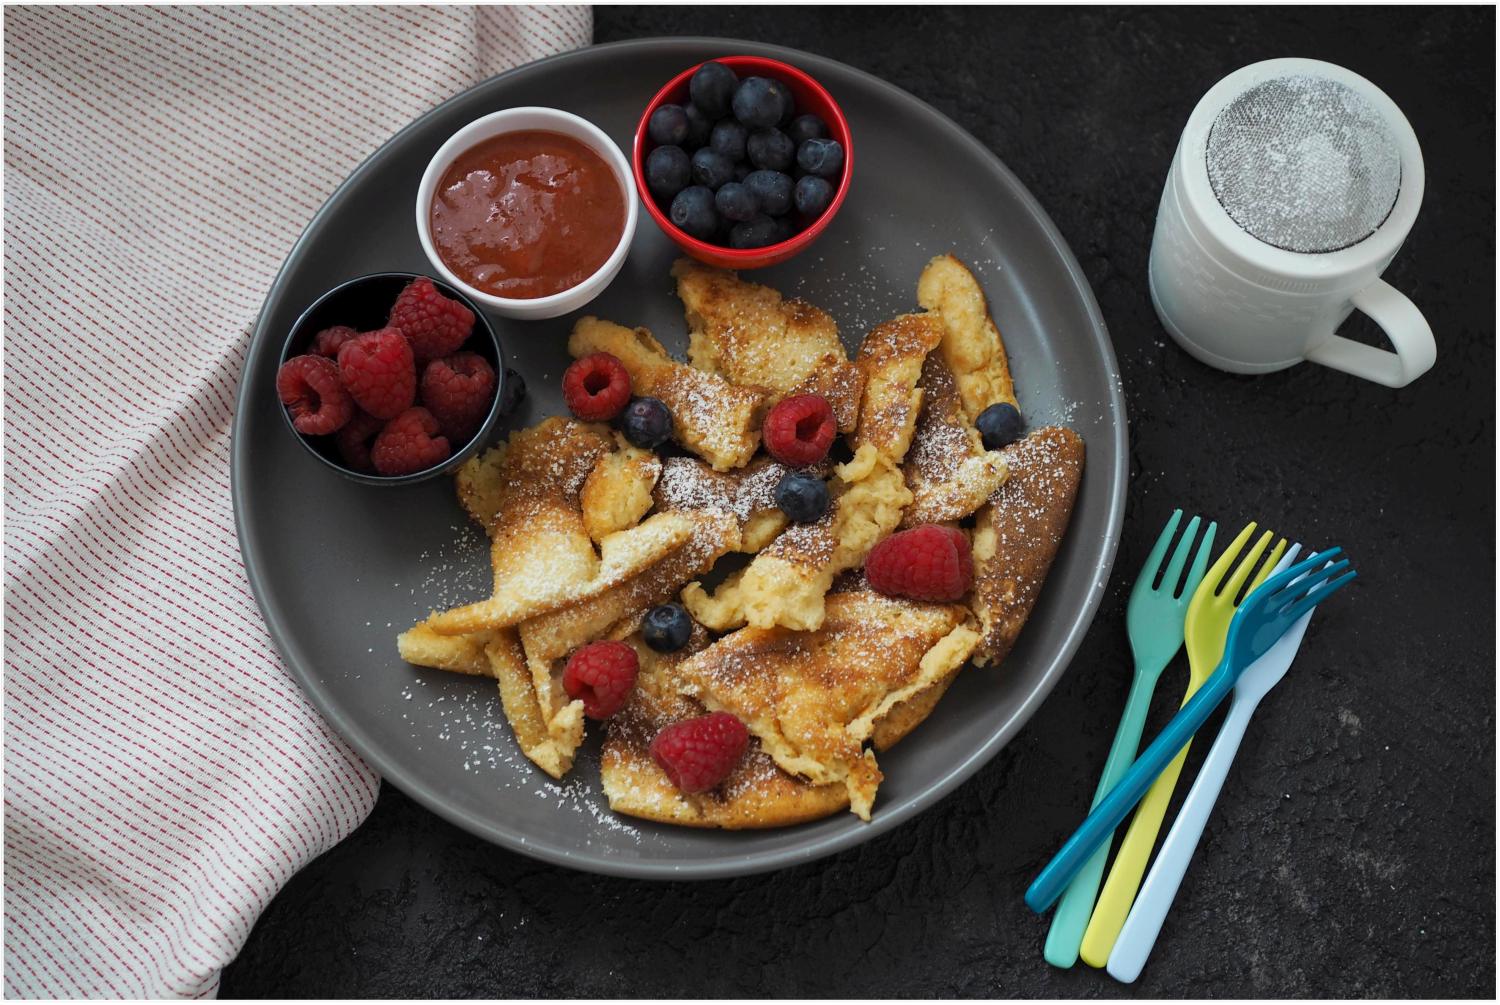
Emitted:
<point x="734" y="864"/>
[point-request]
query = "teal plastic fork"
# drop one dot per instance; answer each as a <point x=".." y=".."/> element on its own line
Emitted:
<point x="1267" y="613"/>
<point x="1154" y="623"/>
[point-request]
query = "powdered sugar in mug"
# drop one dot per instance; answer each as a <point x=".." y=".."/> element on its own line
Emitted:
<point x="1293" y="187"/>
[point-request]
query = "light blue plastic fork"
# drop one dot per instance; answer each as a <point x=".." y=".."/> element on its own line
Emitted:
<point x="1138" y="936"/>
<point x="1265" y="616"/>
<point x="1154" y="622"/>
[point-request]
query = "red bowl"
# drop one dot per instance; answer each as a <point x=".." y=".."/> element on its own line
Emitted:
<point x="810" y="98"/>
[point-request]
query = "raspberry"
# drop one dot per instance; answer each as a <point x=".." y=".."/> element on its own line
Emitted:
<point x="355" y="438"/>
<point x="458" y="390"/>
<point x="409" y="442"/>
<point x="601" y="674"/>
<point x="309" y="387"/>
<point x="378" y="371"/>
<point x="698" y="754"/>
<point x="435" y="324"/>
<point x="328" y="341"/>
<point x="930" y="562"/>
<point x="596" y="388"/>
<point x="799" y="430"/>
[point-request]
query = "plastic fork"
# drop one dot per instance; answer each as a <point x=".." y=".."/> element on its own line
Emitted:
<point x="1154" y="622"/>
<point x="1208" y="618"/>
<point x="1263" y="618"/>
<point x="1160" y="888"/>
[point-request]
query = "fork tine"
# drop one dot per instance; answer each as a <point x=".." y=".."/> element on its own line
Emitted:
<point x="1158" y="552"/>
<point x="1287" y="558"/>
<point x="1200" y="562"/>
<point x="1312" y="581"/>
<point x="1321" y="594"/>
<point x="1270" y="565"/>
<point x="1215" y="576"/>
<point x="1298" y="578"/>
<point x="1179" y="557"/>
<point x="1242" y="571"/>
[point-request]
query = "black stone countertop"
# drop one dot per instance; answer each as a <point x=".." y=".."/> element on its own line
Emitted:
<point x="1352" y="853"/>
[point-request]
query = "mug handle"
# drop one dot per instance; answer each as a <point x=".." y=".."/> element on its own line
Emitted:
<point x="1404" y="325"/>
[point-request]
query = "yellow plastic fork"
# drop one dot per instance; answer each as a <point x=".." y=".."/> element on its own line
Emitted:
<point x="1207" y="626"/>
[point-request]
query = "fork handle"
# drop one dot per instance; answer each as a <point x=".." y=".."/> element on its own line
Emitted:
<point x="1114" y="807"/>
<point x="1144" y="922"/>
<point x="1072" y="917"/>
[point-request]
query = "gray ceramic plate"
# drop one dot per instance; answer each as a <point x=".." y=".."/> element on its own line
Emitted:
<point x="339" y="568"/>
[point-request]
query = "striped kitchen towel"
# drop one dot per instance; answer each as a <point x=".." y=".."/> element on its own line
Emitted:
<point x="163" y="774"/>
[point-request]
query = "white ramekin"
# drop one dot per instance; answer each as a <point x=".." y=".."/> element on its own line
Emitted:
<point x="512" y="120"/>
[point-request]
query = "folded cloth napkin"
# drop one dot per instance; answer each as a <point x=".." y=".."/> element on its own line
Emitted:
<point x="163" y="774"/>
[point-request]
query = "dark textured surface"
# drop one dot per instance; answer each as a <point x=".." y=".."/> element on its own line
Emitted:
<point x="1353" y="851"/>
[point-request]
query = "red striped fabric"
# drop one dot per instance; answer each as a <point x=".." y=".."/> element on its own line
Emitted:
<point x="163" y="775"/>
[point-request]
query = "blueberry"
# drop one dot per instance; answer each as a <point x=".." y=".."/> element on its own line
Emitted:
<point x="728" y="139"/>
<point x="757" y="103"/>
<point x="693" y="211"/>
<point x="668" y="126"/>
<point x="802" y="497"/>
<point x="712" y="88"/>
<point x="736" y="202"/>
<point x="667" y="628"/>
<point x="824" y="158"/>
<point x="646" y="422"/>
<point x="787" y="102"/>
<point x="757" y="233"/>
<point x="668" y="171"/>
<point x="699" y="126"/>
<point x="512" y="390"/>
<point x="807" y="127"/>
<point x="711" y="168"/>
<point x="813" y="195"/>
<point x="772" y="189"/>
<point x="771" y="149"/>
<point x="999" y="425"/>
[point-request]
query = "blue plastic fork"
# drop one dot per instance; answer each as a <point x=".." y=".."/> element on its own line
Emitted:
<point x="1275" y="606"/>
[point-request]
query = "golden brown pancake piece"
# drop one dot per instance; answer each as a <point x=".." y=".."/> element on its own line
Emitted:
<point x="548" y="738"/>
<point x="717" y="420"/>
<point x="551" y="637"/>
<point x="813" y="698"/>
<point x="1016" y="534"/>
<point x="747" y="494"/>
<point x="971" y="347"/>
<point x="756" y="794"/>
<point x="947" y="469"/>
<point x="905" y="716"/>
<point x="785" y="583"/>
<point x="748" y="334"/>
<point x="458" y="653"/>
<point x="540" y="549"/>
<point x="617" y="493"/>
<point x="891" y="359"/>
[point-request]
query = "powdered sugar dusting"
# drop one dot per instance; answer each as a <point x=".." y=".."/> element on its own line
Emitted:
<point x="686" y="484"/>
<point x="469" y="720"/>
<point x="455" y="572"/>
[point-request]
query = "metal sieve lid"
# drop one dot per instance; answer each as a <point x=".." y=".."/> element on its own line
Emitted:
<point x="1304" y="163"/>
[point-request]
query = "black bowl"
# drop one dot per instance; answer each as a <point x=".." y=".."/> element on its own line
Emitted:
<point x="364" y="304"/>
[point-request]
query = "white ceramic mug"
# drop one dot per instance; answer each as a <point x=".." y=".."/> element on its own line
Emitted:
<point x="1241" y="305"/>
